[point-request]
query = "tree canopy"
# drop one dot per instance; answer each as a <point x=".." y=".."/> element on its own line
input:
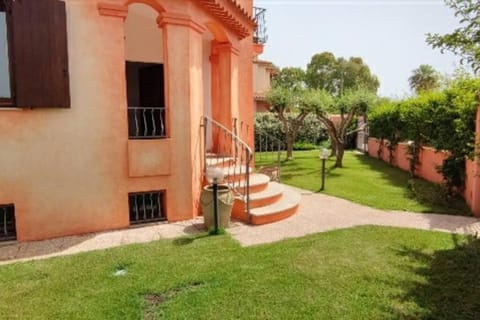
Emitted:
<point x="289" y="78"/>
<point x="337" y="75"/>
<point x="351" y="104"/>
<point x="285" y="103"/>
<point x="330" y="86"/>
<point x="465" y="40"/>
<point x="423" y="79"/>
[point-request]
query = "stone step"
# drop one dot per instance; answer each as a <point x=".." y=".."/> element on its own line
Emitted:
<point x="277" y="211"/>
<point x="269" y="201"/>
<point x="219" y="161"/>
<point x="270" y="195"/>
<point x="235" y="173"/>
<point x="258" y="183"/>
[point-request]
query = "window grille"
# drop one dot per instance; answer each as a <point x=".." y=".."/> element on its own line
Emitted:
<point x="146" y="123"/>
<point x="7" y="222"/>
<point x="146" y="207"/>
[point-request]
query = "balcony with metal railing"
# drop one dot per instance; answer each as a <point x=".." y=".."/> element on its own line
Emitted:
<point x="146" y="123"/>
<point x="260" y="35"/>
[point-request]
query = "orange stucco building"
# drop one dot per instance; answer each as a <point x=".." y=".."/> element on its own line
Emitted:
<point x="263" y="71"/>
<point x="105" y="124"/>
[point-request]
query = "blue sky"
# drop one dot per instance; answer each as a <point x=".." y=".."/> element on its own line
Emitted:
<point x="388" y="34"/>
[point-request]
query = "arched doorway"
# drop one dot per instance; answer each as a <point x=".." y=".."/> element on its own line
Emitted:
<point x="145" y="76"/>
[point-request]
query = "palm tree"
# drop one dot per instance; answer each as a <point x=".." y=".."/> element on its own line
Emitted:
<point x="424" y="78"/>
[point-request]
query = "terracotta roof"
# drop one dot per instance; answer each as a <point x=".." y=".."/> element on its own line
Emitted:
<point x="258" y="61"/>
<point x="232" y="14"/>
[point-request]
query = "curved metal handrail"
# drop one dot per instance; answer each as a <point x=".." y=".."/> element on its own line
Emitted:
<point x="235" y="150"/>
<point x="271" y="141"/>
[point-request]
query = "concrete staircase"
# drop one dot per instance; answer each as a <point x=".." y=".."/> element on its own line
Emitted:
<point x="269" y="201"/>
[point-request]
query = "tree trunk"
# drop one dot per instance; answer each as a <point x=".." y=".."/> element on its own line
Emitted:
<point x="289" y="148"/>
<point x="340" y="152"/>
<point x="334" y="148"/>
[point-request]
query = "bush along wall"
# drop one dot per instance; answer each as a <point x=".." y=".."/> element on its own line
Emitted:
<point x="443" y="120"/>
<point x="267" y="124"/>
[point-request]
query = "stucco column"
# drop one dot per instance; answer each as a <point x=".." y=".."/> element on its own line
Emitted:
<point x="475" y="205"/>
<point x="224" y="66"/>
<point x="224" y="61"/>
<point x="183" y="51"/>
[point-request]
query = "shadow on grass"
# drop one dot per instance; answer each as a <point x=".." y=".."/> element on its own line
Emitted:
<point x="183" y="241"/>
<point x="427" y="193"/>
<point x="450" y="287"/>
<point x="393" y="175"/>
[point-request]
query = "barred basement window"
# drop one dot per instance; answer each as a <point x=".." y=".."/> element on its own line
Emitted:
<point x="147" y="206"/>
<point x="7" y="222"/>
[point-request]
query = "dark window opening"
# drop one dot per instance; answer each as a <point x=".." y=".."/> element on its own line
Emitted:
<point x="146" y="100"/>
<point x="146" y="207"/>
<point x="7" y="222"/>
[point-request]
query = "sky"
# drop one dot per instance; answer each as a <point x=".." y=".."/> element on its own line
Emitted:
<point x="389" y="35"/>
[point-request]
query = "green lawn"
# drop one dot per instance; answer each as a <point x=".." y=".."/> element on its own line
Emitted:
<point x="364" y="180"/>
<point x="359" y="273"/>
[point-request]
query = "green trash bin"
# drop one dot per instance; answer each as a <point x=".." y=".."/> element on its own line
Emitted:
<point x="225" y="205"/>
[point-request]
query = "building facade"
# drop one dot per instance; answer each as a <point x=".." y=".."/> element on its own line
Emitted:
<point x="101" y="108"/>
<point x="263" y="71"/>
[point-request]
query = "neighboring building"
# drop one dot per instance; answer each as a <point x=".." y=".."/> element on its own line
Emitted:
<point x="263" y="71"/>
<point x="102" y="108"/>
<point x="362" y="135"/>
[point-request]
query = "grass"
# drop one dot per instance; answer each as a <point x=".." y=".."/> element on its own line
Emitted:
<point x="366" y="181"/>
<point x="360" y="273"/>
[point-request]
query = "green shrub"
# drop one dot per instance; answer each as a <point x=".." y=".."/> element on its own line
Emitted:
<point x="268" y="131"/>
<point x="443" y="120"/>
<point x="302" y="145"/>
<point x="434" y="194"/>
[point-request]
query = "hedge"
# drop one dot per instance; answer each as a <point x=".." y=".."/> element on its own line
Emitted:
<point x="443" y="120"/>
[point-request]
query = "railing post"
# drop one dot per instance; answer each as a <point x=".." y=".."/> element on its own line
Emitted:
<point x="247" y="193"/>
<point x="205" y="128"/>
<point x="278" y="159"/>
<point x="235" y="132"/>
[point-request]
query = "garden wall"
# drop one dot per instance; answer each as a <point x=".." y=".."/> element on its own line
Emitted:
<point x="429" y="159"/>
<point x="426" y="169"/>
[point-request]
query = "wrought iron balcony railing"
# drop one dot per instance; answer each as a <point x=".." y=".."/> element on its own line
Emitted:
<point x="260" y="35"/>
<point x="146" y="122"/>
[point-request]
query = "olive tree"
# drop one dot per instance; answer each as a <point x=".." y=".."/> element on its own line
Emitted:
<point x="348" y="106"/>
<point x="291" y="113"/>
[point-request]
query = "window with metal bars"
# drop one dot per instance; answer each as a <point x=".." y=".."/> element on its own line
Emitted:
<point x="7" y="222"/>
<point x="146" y="100"/>
<point x="146" y="206"/>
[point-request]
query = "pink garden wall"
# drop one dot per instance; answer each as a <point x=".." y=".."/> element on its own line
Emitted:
<point x="429" y="160"/>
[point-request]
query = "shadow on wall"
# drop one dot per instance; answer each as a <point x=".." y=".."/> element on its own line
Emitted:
<point x="449" y="284"/>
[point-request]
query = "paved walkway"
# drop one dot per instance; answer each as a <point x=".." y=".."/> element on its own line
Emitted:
<point x="320" y="213"/>
<point x="317" y="213"/>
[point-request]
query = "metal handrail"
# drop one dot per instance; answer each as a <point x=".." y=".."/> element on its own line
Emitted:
<point x="233" y="150"/>
<point x="267" y="143"/>
<point x="260" y="35"/>
<point x="146" y="122"/>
